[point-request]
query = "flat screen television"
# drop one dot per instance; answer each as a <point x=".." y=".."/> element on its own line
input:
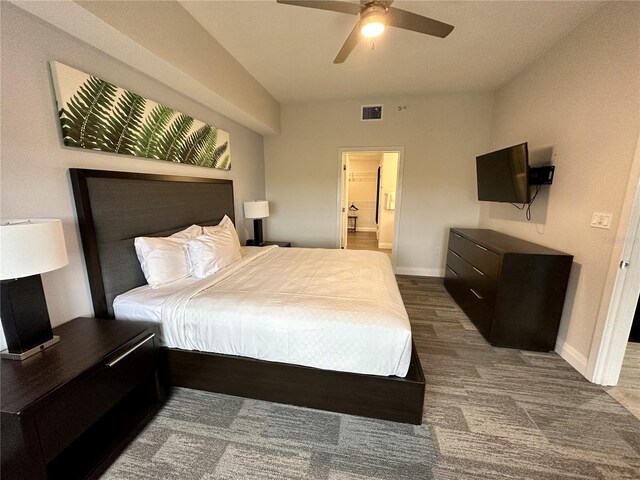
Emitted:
<point x="503" y="175"/>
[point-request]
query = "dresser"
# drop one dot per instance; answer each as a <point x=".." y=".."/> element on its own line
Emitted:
<point x="67" y="409"/>
<point x="512" y="290"/>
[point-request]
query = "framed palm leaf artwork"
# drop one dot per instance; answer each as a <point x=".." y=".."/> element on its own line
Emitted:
<point x="97" y="115"/>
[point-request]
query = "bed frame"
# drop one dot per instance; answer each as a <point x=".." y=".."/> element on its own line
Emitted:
<point x="115" y="207"/>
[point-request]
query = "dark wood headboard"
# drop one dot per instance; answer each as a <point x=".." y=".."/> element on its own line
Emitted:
<point x="116" y="207"/>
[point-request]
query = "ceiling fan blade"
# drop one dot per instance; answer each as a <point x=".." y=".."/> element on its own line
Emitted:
<point x="331" y="5"/>
<point x="417" y="23"/>
<point x="349" y="44"/>
<point x="386" y="3"/>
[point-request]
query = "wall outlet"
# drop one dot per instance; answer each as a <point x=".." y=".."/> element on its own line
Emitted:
<point x="601" y="220"/>
<point x="437" y="251"/>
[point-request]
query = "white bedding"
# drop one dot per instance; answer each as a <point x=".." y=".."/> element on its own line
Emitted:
<point x="331" y="309"/>
<point x="145" y="303"/>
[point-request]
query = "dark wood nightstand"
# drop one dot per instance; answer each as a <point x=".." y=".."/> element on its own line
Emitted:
<point x="266" y="244"/>
<point x="68" y="408"/>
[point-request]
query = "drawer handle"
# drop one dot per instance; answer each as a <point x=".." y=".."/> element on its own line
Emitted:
<point x="452" y="270"/>
<point x="475" y="293"/>
<point x="481" y="273"/>
<point x="131" y="350"/>
<point x="480" y="247"/>
<point x="455" y="234"/>
<point x="455" y="254"/>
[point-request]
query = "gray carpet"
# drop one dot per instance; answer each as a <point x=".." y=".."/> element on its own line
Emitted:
<point x="490" y="413"/>
<point x="627" y="392"/>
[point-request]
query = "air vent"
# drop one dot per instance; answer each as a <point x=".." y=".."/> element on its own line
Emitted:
<point x="371" y="113"/>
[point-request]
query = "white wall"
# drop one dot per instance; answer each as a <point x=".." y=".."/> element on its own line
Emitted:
<point x="441" y="135"/>
<point x="192" y="49"/>
<point x="158" y="37"/>
<point x="578" y="106"/>
<point x="363" y="179"/>
<point x="34" y="168"/>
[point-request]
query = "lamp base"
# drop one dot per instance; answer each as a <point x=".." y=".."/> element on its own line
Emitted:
<point x="24" y="315"/>
<point x="257" y="232"/>
<point x="31" y="352"/>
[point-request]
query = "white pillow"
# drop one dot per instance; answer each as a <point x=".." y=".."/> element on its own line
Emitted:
<point x="188" y="233"/>
<point x="165" y="259"/>
<point x="213" y="251"/>
<point x="225" y="222"/>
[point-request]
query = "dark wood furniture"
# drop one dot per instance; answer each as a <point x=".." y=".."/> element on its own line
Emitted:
<point x="251" y="243"/>
<point x="390" y="398"/>
<point x="115" y="207"/>
<point x="68" y="408"/>
<point x="512" y="290"/>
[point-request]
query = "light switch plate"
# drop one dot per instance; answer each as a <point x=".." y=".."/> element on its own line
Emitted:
<point x="601" y="220"/>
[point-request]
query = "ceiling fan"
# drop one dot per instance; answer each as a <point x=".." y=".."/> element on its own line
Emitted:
<point x="375" y="16"/>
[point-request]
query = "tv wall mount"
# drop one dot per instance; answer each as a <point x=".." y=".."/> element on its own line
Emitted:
<point x="541" y="175"/>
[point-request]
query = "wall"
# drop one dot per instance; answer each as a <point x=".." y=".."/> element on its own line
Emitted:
<point x="388" y="183"/>
<point x="135" y="33"/>
<point x="578" y="107"/>
<point x="34" y="169"/>
<point x="147" y="24"/>
<point x="363" y="176"/>
<point x="441" y="135"/>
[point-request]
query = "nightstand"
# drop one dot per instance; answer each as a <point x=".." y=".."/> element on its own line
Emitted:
<point x="68" y="408"/>
<point x="266" y="244"/>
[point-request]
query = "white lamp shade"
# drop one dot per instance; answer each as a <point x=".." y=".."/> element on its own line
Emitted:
<point x="31" y="246"/>
<point x="256" y="209"/>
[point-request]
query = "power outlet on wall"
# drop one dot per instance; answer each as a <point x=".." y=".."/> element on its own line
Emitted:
<point x="437" y="251"/>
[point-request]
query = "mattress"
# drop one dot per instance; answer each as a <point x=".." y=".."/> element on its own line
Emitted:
<point x="331" y="309"/>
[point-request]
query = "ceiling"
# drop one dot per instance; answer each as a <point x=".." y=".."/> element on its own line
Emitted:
<point x="290" y="50"/>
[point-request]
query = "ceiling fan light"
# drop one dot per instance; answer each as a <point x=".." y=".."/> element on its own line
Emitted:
<point x="372" y="29"/>
<point x="373" y="20"/>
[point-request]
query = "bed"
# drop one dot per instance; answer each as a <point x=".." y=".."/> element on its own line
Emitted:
<point x="271" y="326"/>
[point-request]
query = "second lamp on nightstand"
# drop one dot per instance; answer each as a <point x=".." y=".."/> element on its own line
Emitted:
<point x="257" y="210"/>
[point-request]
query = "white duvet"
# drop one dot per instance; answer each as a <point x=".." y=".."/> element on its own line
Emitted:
<point x="331" y="309"/>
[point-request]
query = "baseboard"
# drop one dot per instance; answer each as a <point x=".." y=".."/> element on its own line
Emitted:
<point x="386" y="245"/>
<point x="420" y="271"/>
<point x="366" y="229"/>
<point x="572" y="356"/>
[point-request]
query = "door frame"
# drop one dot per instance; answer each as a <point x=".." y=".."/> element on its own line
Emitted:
<point x="621" y="290"/>
<point x="343" y="207"/>
<point x="396" y="221"/>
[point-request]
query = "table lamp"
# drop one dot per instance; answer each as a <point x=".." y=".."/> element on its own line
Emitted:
<point x="257" y="210"/>
<point x="27" y="248"/>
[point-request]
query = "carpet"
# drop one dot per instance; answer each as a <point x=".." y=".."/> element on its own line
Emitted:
<point x="490" y="413"/>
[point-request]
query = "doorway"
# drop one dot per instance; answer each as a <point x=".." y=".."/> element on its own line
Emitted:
<point x="369" y="199"/>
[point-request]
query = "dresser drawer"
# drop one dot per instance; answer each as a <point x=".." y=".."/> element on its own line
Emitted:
<point x="73" y="408"/>
<point x="481" y="283"/>
<point x="485" y="260"/>
<point x="478" y="311"/>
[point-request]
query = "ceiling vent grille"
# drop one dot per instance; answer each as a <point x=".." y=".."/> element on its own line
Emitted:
<point x="371" y="113"/>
